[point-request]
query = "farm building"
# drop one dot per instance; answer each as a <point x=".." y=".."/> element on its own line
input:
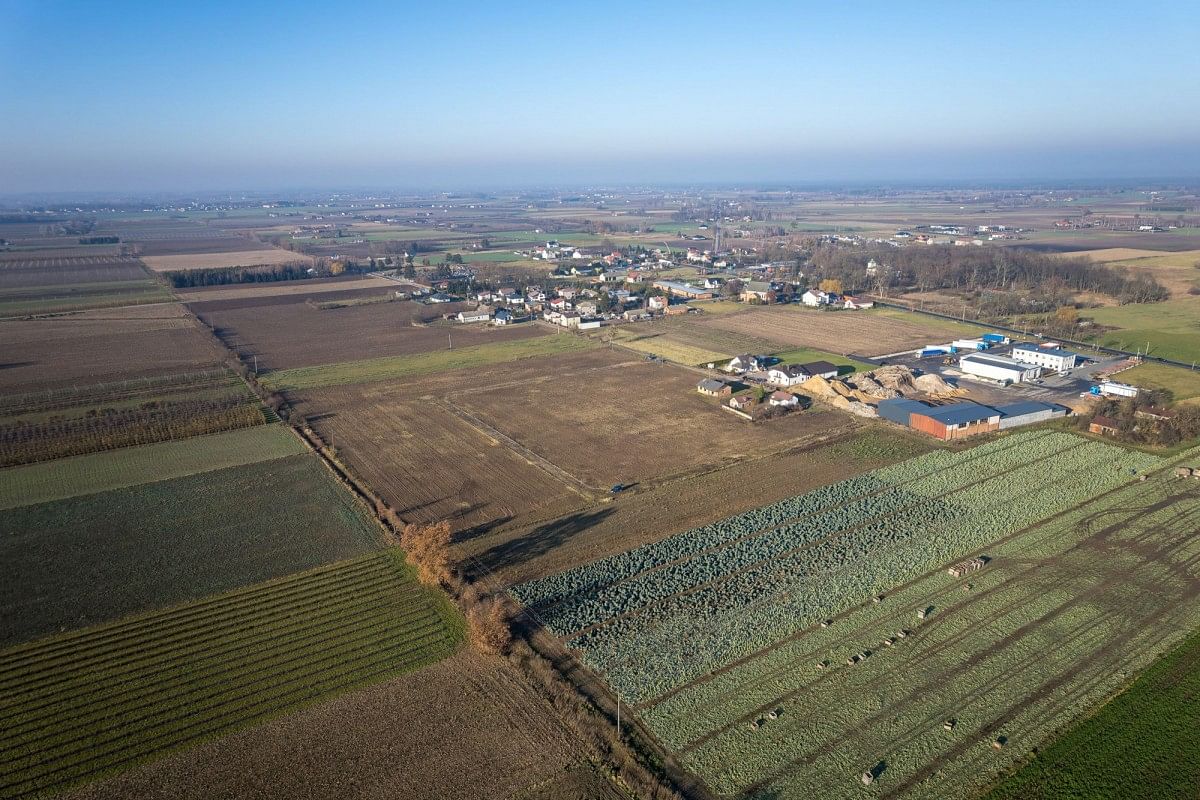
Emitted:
<point x="820" y="368"/>
<point x="785" y="399"/>
<point x="1105" y="426"/>
<point x="1048" y="357"/>
<point x="899" y="410"/>
<point x="677" y="289"/>
<point x="1013" y="415"/>
<point x="852" y="303"/>
<point x="956" y="420"/>
<point x="481" y="314"/>
<point x="714" y="388"/>
<point x="998" y="368"/>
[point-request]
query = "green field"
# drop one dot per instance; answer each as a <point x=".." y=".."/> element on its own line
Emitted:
<point x="84" y="560"/>
<point x="1143" y="745"/>
<point x="100" y="700"/>
<point x="390" y="367"/>
<point x="117" y="469"/>
<point x="1172" y="329"/>
<point x="1184" y="384"/>
<point x="59" y="299"/>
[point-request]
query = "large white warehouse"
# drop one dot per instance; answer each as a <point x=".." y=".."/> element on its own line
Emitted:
<point x="1048" y="357"/>
<point x="998" y="368"/>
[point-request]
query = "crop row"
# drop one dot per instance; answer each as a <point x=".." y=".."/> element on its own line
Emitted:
<point x="82" y="716"/>
<point x="544" y="592"/>
<point x="682" y="638"/>
<point x="615" y="600"/>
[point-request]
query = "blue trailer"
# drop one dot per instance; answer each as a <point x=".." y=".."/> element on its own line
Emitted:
<point x="929" y="352"/>
<point x="995" y="338"/>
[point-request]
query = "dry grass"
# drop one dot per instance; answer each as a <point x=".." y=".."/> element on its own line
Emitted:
<point x="240" y="258"/>
<point x="279" y="288"/>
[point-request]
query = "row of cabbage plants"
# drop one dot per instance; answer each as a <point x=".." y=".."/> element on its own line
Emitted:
<point x="681" y="639"/>
<point x="541" y="593"/>
<point x="619" y="598"/>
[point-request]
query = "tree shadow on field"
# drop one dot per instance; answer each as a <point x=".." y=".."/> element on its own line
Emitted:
<point x="482" y="529"/>
<point x="17" y="364"/>
<point x="541" y="539"/>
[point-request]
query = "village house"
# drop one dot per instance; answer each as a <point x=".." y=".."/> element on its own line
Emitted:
<point x="815" y="298"/>
<point x="853" y="303"/>
<point x="657" y="303"/>
<point x="674" y="310"/>
<point x="440" y="298"/>
<point x="481" y="314"/>
<point x="714" y="388"/>
<point x="560" y="304"/>
<point x="742" y="402"/>
<point x="819" y="368"/>
<point x="502" y="317"/>
<point x="784" y="399"/>
<point x="586" y="307"/>
<point x="755" y="291"/>
<point x="634" y="314"/>
<point x="787" y="375"/>
<point x="746" y="363"/>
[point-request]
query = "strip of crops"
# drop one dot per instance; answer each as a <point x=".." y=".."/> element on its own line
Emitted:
<point x="686" y="636"/>
<point x="649" y="587"/>
<point x="86" y="704"/>
<point x="99" y="429"/>
<point x="50" y="399"/>
<point x="544" y="592"/>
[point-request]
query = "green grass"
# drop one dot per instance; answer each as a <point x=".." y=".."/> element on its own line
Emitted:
<point x="1172" y="328"/>
<point x="117" y="469"/>
<point x="1144" y="744"/>
<point x="101" y="700"/>
<point x="934" y="324"/>
<point x="390" y="367"/>
<point x="804" y="354"/>
<point x="1183" y="383"/>
<point x="49" y="305"/>
<point x="88" y="559"/>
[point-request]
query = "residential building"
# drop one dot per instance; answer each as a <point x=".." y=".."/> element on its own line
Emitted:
<point x="746" y="363"/>
<point x="815" y="297"/>
<point x="481" y="314"/>
<point x="742" y="402"/>
<point x="785" y="399"/>
<point x="756" y="291"/>
<point x="819" y="368"/>
<point x="853" y="303"/>
<point x="502" y="317"/>
<point x="714" y="388"/>
<point x="787" y="375"/>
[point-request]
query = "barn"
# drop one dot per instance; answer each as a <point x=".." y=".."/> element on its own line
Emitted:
<point x="956" y="420"/>
<point x="1027" y="412"/>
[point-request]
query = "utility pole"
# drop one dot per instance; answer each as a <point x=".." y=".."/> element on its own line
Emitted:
<point x="618" y="715"/>
<point x="450" y="339"/>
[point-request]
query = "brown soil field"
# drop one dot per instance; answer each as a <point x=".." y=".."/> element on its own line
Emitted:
<point x="202" y="242"/>
<point x="425" y="462"/>
<point x="298" y="335"/>
<point x="242" y="258"/>
<point x="466" y="727"/>
<point x="206" y="294"/>
<point x="543" y="544"/>
<point x="636" y="423"/>
<point x="845" y="332"/>
<point x="62" y="351"/>
<point x="61" y="271"/>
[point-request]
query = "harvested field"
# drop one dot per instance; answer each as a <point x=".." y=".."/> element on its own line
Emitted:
<point x="713" y="633"/>
<point x="526" y="342"/>
<point x="208" y="294"/>
<point x="41" y="426"/>
<point x="131" y="466"/>
<point x="477" y="731"/>
<point x="85" y="270"/>
<point x="298" y="335"/>
<point x="103" y="699"/>
<point x="80" y="561"/>
<point x="220" y="260"/>
<point x="427" y="463"/>
<point x="65" y="351"/>
<point x="197" y="242"/>
<point x="642" y="422"/>
<point x="539" y="544"/>
<point x="865" y="333"/>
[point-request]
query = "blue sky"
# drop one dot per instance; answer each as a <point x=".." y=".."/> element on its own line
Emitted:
<point x="166" y="95"/>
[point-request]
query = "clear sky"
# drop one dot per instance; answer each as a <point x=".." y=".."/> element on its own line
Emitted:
<point x="439" y="94"/>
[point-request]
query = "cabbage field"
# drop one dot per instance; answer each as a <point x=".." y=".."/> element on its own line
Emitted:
<point x="706" y="631"/>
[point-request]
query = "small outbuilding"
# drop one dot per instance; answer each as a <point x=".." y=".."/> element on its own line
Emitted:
<point x="714" y="388"/>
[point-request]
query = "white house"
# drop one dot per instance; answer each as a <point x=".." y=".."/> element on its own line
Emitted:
<point x="745" y="363"/>
<point x="816" y="298"/>
<point x="853" y="303"/>
<point x="502" y="317"/>
<point x="787" y="375"/>
<point x="785" y="399"/>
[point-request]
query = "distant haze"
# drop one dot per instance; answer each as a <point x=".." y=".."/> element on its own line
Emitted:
<point x="172" y="96"/>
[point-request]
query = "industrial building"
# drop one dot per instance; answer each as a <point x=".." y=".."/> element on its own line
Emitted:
<point x="957" y="420"/>
<point x="1049" y="357"/>
<point x="676" y="289"/>
<point x="998" y="368"/>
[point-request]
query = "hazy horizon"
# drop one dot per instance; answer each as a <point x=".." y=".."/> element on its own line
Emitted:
<point x="134" y="97"/>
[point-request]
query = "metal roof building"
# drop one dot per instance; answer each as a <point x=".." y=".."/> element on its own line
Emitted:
<point x="998" y="368"/>
<point x="1028" y="412"/>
